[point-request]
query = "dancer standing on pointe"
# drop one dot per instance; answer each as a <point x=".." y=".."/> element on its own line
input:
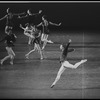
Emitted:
<point x="46" y="32"/>
<point x="64" y="63"/>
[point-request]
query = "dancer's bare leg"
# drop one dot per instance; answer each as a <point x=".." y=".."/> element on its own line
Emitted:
<point x="12" y="58"/>
<point x="11" y="55"/>
<point x="27" y="55"/>
<point x="64" y="66"/>
<point x="68" y="65"/>
<point x="40" y="51"/>
<point x="30" y="39"/>
<point x="61" y="70"/>
<point x="4" y="59"/>
<point x="45" y="41"/>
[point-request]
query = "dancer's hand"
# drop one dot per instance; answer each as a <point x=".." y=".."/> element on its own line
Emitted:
<point x="70" y="40"/>
<point x="20" y="25"/>
<point x="59" y="24"/>
<point x="28" y="12"/>
<point x="40" y="11"/>
<point x="19" y="17"/>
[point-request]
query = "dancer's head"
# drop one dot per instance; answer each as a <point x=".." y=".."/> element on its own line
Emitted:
<point x="35" y="27"/>
<point x="8" y="10"/>
<point x="27" y="24"/>
<point x="44" y="17"/>
<point x="62" y="46"/>
<point x="29" y="12"/>
<point x="10" y="32"/>
<point x="40" y="11"/>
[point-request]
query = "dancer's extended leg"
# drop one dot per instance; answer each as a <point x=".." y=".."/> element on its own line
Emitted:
<point x="68" y="65"/>
<point x="61" y="70"/>
<point x="27" y="55"/>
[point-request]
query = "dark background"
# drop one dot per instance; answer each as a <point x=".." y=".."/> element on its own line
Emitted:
<point x="77" y="16"/>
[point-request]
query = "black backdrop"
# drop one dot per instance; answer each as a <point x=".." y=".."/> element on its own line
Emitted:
<point x="72" y="15"/>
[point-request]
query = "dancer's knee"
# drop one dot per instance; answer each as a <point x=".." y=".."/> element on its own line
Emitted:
<point x="58" y="76"/>
<point x="11" y="56"/>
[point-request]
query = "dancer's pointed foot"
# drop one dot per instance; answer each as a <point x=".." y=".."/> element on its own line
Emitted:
<point x="83" y="61"/>
<point x="50" y="41"/>
<point x="27" y="57"/>
<point x="11" y="62"/>
<point x="42" y="48"/>
<point x="41" y="58"/>
<point x="1" y="62"/>
<point x="52" y="85"/>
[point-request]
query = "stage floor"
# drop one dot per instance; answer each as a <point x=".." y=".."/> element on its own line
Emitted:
<point x="31" y="78"/>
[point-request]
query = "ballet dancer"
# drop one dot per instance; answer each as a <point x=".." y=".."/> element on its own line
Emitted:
<point x="30" y="15"/>
<point x="9" y="17"/>
<point x="28" y="31"/>
<point x="36" y="42"/>
<point x="46" y="32"/>
<point x="9" y="39"/>
<point x="64" y="63"/>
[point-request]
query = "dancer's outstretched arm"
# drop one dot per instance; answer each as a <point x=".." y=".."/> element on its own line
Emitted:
<point x="39" y="24"/>
<point x="15" y="36"/>
<point x="71" y="50"/>
<point x="3" y="17"/>
<point x="28" y="11"/>
<point x="22" y="27"/>
<point x="19" y="14"/>
<point x="23" y="16"/>
<point x="54" y="24"/>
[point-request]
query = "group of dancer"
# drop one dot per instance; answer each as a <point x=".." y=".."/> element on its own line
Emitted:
<point x="36" y="37"/>
<point x="31" y="30"/>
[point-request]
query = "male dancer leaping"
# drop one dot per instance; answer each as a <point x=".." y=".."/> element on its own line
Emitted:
<point x="64" y="63"/>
